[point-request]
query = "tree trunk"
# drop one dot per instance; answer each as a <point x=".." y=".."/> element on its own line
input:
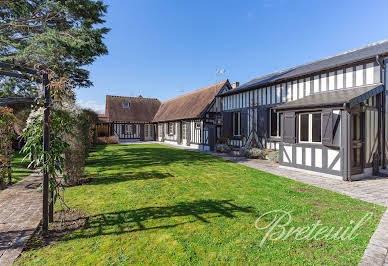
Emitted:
<point x="2" y="178"/>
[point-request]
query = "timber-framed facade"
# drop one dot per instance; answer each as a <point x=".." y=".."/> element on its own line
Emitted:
<point x="129" y="118"/>
<point x="193" y="119"/>
<point x="327" y="116"/>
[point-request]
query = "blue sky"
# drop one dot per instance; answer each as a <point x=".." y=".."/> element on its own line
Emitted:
<point x="164" y="48"/>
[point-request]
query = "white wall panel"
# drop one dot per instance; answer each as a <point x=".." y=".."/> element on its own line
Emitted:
<point x="370" y="73"/>
<point x="331" y="81"/>
<point x="278" y="93"/>
<point x="268" y="95"/>
<point x="318" y="158"/>
<point x="284" y="92"/>
<point x="349" y="77"/>
<point x="359" y="76"/>
<point x="340" y="79"/>
<point x="294" y="90"/>
<point x="316" y="84"/>
<point x="287" y="152"/>
<point x="307" y="86"/>
<point x="323" y="82"/>
<point x="273" y="95"/>
<point x="308" y="156"/>
<point x="300" y="88"/>
<point x="331" y="155"/>
<point x="299" y="155"/>
<point x="289" y="91"/>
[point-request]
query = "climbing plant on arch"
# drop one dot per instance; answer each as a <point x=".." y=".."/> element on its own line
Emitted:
<point x="6" y="134"/>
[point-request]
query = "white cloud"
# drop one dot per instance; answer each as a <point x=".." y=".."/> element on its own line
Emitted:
<point x="99" y="108"/>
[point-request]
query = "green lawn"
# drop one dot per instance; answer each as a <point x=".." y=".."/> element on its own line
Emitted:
<point x="19" y="168"/>
<point x="151" y="204"/>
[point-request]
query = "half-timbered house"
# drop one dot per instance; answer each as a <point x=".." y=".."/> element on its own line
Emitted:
<point x="328" y="116"/>
<point x="192" y="119"/>
<point x="130" y="118"/>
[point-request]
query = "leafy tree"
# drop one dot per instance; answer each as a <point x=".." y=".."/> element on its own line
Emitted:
<point x="10" y="87"/>
<point x="60" y="35"/>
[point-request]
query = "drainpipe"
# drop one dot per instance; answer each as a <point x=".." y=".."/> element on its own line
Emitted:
<point x="383" y="78"/>
<point x="347" y="144"/>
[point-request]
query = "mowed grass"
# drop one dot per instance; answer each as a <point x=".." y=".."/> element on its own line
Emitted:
<point x="151" y="204"/>
<point x="19" y="168"/>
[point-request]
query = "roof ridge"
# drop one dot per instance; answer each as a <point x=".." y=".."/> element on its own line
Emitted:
<point x="133" y="97"/>
<point x="322" y="59"/>
<point x="195" y="91"/>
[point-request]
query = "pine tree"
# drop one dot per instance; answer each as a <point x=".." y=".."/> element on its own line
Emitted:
<point x="61" y="35"/>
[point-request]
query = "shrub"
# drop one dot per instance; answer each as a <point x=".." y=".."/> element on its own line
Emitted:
<point x="107" y="140"/>
<point x="222" y="140"/>
<point x="223" y="148"/>
<point x="80" y="143"/>
<point x="252" y="153"/>
<point x="274" y="156"/>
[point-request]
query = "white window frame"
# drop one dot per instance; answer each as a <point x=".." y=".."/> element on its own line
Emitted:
<point x="310" y="131"/>
<point x="126" y="104"/>
<point x="197" y="125"/>
<point x="278" y="133"/>
<point x="170" y="127"/>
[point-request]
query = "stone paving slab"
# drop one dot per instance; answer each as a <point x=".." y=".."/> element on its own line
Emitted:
<point x="374" y="190"/>
<point x="20" y="215"/>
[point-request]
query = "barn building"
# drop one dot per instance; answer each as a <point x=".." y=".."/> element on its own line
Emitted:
<point x="327" y="116"/>
<point x="192" y="119"/>
<point x="129" y="118"/>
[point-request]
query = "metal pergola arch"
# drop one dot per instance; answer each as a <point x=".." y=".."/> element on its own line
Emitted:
<point x="19" y="71"/>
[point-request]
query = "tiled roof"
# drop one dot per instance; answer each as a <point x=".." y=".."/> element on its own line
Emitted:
<point x="191" y="105"/>
<point x="360" y="54"/>
<point x="139" y="110"/>
<point x="350" y="96"/>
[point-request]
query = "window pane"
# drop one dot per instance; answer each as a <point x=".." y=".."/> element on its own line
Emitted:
<point x="274" y="123"/>
<point x="304" y="127"/>
<point x="236" y="123"/>
<point x="316" y="131"/>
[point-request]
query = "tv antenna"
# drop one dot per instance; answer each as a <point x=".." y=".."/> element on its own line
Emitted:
<point x="219" y="72"/>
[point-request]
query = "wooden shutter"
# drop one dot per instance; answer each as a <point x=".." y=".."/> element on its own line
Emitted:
<point x="327" y="127"/>
<point x="262" y="121"/>
<point x="288" y="133"/>
<point x="227" y="128"/>
<point x="244" y="123"/>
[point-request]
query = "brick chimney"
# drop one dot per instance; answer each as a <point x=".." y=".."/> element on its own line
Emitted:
<point x="235" y="84"/>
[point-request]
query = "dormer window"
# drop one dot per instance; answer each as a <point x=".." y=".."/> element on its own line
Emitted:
<point x="126" y="104"/>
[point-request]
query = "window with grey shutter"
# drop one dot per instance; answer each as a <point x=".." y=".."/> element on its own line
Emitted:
<point x="227" y="128"/>
<point x="262" y="121"/>
<point x="288" y="133"/>
<point x="327" y="127"/>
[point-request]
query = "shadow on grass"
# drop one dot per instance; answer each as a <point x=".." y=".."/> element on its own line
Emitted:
<point x="153" y="218"/>
<point x="124" y="177"/>
<point x="137" y="157"/>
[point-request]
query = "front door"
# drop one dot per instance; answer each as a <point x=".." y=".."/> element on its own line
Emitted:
<point x="357" y="143"/>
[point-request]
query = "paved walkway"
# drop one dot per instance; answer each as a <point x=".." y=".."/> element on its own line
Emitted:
<point x="20" y="215"/>
<point x="374" y="190"/>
